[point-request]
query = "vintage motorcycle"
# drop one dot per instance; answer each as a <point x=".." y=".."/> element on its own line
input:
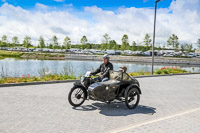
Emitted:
<point x="120" y="87"/>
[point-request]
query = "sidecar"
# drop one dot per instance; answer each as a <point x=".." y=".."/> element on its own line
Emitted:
<point x="120" y="86"/>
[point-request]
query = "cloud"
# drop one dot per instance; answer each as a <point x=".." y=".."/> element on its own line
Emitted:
<point x="59" y="0"/>
<point x="181" y="18"/>
<point x="145" y="1"/>
<point x="40" y="7"/>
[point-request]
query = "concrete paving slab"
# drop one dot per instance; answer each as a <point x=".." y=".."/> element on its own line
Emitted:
<point x="168" y="104"/>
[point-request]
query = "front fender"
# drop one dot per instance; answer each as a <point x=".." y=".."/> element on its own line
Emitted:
<point x="132" y="86"/>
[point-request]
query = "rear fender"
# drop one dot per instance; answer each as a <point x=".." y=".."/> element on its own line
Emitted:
<point x="132" y="86"/>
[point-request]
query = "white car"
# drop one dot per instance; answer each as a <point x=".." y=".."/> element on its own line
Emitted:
<point x="190" y="55"/>
<point x="110" y="52"/>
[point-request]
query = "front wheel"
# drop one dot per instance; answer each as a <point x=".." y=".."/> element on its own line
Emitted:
<point x="132" y="98"/>
<point x="77" y="96"/>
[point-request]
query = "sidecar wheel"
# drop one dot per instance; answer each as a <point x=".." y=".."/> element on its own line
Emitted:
<point x="76" y="96"/>
<point x="132" y="98"/>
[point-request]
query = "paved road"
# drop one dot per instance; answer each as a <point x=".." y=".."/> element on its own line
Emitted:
<point x="168" y="104"/>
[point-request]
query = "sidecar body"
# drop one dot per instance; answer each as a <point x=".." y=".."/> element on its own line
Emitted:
<point x="117" y="86"/>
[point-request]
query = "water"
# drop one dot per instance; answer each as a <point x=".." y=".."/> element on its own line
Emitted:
<point x="17" y="67"/>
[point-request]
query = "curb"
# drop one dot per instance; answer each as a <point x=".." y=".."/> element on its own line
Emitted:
<point x="37" y="83"/>
<point x="68" y="81"/>
<point x="164" y="75"/>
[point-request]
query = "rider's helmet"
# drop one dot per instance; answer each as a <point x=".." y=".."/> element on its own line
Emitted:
<point x="106" y="56"/>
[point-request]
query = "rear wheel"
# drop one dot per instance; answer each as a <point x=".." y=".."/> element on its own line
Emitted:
<point x="132" y="98"/>
<point x="77" y="96"/>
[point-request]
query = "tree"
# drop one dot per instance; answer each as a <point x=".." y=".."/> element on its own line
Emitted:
<point x="159" y="48"/>
<point x="198" y="43"/>
<point x="4" y="41"/>
<point x="125" y="43"/>
<point x="188" y="47"/>
<point x="134" y="46"/>
<point x="15" y="41"/>
<point x="173" y="41"/>
<point x="41" y="42"/>
<point x="105" y="42"/>
<point x="27" y="41"/>
<point x="67" y="42"/>
<point x="88" y="46"/>
<point x="54" y="42"/>
<point x="147" y="40"/>
<point x="182" y="48"/>
<point x="113" y="45"/>
<point x="83" y="41"/>
<point x="163" y="48"/>
<point x="50" y="46"/>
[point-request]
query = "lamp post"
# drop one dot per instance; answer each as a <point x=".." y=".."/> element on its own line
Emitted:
<point x="154" y="35"/>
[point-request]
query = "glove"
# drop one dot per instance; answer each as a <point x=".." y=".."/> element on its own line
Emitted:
<point x="91" y="73"/>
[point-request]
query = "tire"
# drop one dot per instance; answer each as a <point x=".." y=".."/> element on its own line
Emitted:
<point x="132" y="95"/>
<point x="79" y="94"/>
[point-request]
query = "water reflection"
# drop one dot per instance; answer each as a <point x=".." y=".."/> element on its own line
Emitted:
<point x="17" y="67"/>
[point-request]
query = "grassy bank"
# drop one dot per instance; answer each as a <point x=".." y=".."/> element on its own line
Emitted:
<point x="5" y="54"/>
<point x="33" y="55"/>
<point x="43" y="56"/>
<point x="67" y="76"/>
<point x="1" y="57"/>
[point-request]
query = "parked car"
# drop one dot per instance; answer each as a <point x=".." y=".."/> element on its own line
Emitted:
<point x="45" y="50"/>
<point x="30" y="49"/>
<point x="10" y="49"/>
<point x="110" y="52"/>
<point x="118" y="52"/>
<point x="128" y="52"/>
<point x="191" y="55"/>
<point x="97" y="52"/>
<point x="138" y="53"/>
<point x="58" y="50"/>
<point x="168" y="55"/>
<point x="24" y="49"/>
<point x="37" y="50"/>
<point x="77" y="51"/>
<point x="51" y="50"/>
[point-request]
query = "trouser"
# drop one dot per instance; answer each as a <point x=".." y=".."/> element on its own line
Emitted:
<point x="98" y="79"/>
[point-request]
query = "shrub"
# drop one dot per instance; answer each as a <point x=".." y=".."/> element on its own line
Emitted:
<point x="140" y="73"/>
<point x="21" y="79"/>
<point x="170" y="70"/>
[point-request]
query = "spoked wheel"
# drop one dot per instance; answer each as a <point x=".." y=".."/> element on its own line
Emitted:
<point x="132" y="98"/>
<point x="76" y="96"/>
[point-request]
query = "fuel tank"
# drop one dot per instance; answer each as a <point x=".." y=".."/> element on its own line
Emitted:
<point x="103" y="91"/>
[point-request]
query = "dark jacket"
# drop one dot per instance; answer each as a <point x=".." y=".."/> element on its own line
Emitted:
<point x="104" y="69"/>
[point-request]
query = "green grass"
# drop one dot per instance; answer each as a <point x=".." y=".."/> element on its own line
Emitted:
<point x="1" y="58"/>
<point x="16" y="54"/>
<point x="10" y="53"/>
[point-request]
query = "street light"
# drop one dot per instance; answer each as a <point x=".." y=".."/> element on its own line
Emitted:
<point x="154" y="34"/>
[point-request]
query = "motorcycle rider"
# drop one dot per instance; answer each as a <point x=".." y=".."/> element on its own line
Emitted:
<point x="103" y="69"/>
